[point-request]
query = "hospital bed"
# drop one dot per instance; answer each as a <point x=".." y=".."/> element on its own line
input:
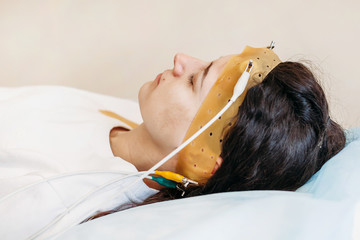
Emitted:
<point x="326" y="207"/>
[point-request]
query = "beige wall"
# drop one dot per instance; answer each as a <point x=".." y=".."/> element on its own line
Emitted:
<point x="114" y="46"/>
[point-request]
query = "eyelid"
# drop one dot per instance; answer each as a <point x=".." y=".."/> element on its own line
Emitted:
<point x="202" y="73"/>
<point x="194" y="78"/>
<point x="191" y="81"/>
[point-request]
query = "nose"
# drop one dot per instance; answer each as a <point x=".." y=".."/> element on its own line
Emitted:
<point x="184" y="63"/>
<point x="179" y="64"/>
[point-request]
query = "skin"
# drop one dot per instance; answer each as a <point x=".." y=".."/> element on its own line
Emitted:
<point x="168" y="105"/>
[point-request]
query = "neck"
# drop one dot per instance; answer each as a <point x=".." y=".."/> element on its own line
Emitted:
<point x="138" y="148"/>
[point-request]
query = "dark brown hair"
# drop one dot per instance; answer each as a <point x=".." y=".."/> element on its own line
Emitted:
<point x="282" y="136"/>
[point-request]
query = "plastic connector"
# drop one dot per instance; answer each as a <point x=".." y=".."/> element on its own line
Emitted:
<point x="242" y="82"/>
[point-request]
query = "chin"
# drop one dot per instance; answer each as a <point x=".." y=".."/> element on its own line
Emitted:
<point x="143" y="92"/>
<point x="143" y="98"/>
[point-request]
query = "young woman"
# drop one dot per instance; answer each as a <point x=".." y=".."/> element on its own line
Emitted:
<point x="278" y="136"/>
<point x="57" y="151"/>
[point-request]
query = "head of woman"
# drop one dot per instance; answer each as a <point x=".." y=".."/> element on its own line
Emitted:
<point x="281" y="134"/>
<point x="170" y="102"/>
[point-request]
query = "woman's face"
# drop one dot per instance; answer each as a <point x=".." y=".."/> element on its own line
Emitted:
<point x="170" y="102"/>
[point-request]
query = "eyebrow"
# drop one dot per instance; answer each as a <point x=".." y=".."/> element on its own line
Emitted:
<point x="205" y="73"/>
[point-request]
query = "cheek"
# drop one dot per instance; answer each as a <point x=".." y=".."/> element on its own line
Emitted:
<point x="174" y="121"/>
<point x="176" y="115"/>
<point x="167" y="113"/>
<point x="179" y="105"/>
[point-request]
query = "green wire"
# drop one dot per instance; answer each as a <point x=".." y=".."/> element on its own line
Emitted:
<point x="164" y="182"/>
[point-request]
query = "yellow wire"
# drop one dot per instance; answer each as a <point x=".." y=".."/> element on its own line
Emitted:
<point x="170" y="176"/>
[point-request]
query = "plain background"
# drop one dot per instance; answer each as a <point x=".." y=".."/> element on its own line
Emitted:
<point x="114" y="46"/>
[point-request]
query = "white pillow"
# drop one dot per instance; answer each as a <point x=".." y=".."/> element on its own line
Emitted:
<point x="327" y="207"/>
<point x="339" y="178"/>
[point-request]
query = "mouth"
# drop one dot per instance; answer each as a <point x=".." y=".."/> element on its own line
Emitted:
<point x="157" y="79"/>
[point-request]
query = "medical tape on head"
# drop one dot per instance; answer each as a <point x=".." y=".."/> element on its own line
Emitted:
<point x="197" y="160"/>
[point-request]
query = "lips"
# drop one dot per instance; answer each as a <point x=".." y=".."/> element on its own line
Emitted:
<point x="157" y="79"/>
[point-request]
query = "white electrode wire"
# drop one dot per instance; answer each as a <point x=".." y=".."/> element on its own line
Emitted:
<point x="58" y="218"/>
<point x="61" y="176"/>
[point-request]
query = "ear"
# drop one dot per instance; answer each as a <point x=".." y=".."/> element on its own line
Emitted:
<point x="218" y="163"/>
